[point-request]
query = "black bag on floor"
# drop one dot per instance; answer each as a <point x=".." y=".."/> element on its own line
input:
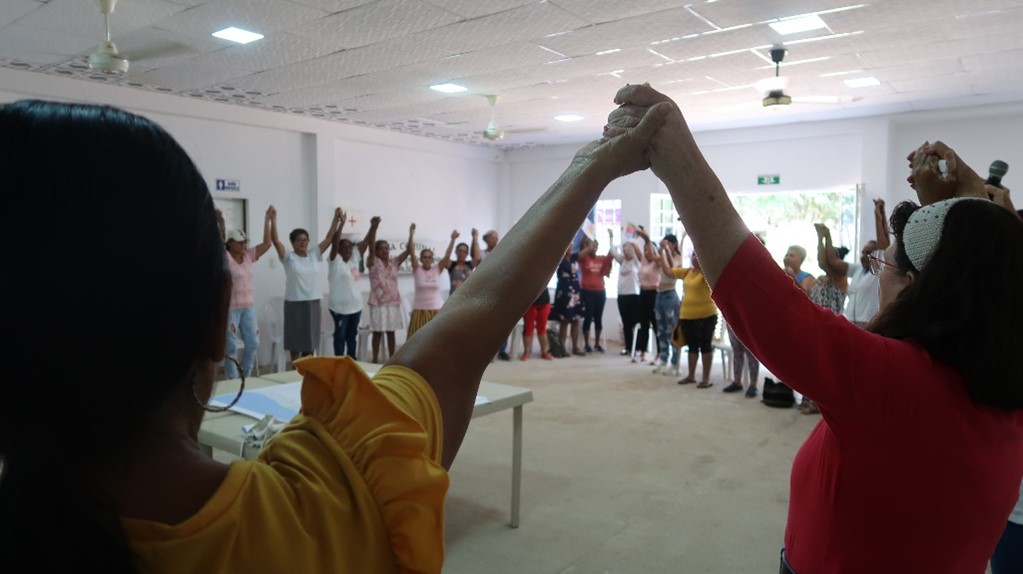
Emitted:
<point x="554" y="343"/>
<point x="778" y="395"/>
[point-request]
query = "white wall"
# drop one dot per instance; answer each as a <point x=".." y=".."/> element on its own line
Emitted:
<point x="811" y="155"/>
<point x="306" y="167"/>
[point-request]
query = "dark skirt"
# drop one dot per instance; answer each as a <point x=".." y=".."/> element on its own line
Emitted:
<point x="302" y="326"/>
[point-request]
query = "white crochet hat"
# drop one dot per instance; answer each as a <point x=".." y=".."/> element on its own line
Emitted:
<point x="923" y="230"/>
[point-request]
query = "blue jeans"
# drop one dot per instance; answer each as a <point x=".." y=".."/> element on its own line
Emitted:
<point x="346" y="330"/>
<point x="666" y="313"/>
<point x="241" y="322"/>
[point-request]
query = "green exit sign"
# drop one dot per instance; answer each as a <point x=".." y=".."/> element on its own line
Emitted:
<point x="768" y="179"/>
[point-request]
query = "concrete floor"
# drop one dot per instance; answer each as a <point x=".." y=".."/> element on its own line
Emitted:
<point x="624" y="471"/>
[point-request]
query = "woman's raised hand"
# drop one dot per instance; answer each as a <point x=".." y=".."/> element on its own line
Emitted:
<point x="934" y="181"/>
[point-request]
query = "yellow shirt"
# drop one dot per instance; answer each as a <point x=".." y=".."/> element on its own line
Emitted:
<point x="696" y="301"/>
<point x="353" y="484"/>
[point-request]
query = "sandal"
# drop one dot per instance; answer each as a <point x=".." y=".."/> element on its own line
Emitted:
<point x="687" y="381"/>
<point x="705" y="385"/>
<point x="732" y="388"/>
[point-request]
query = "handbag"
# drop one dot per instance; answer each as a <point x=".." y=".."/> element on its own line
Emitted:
<point x="678" y="338"/>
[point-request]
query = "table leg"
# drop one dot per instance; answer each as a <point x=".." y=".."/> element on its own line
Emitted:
<point x="516" y="465"/>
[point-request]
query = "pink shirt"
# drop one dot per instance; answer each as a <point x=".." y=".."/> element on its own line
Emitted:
<point x="427" y="289"/>
<point x="649" y="274"/>
<point x="383" y="283"/>
<point x="241" y="279"/>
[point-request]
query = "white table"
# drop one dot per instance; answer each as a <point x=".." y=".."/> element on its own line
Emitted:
<point x="223" y="430"/>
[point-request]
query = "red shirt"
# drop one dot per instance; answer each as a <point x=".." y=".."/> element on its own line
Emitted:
<point x="593" y="270"/>
<point x="904" y="473"/>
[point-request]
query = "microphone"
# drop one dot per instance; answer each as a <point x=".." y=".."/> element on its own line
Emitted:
<point x="996" y="172"/>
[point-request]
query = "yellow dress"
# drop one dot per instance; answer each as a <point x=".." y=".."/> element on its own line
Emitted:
<point x="353" y="484"/>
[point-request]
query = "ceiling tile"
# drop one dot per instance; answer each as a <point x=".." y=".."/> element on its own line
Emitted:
<point x="38" y="46"/>
<point x="84" y="18"/>
<point x="375" y="22"/>
<point x="529" y="22"/>
<point x="640" y="31"/>
<point x="739" y="12"/>
<point x="11" y="10"/>
<point x="181" y="78"/>
<point x="600" y="11"/>
<point x="478" y="8"/>
<point x="333" y="6"/>
<point x="261" y="16"/>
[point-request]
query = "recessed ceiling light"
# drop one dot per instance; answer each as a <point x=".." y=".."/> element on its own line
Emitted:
<point x="862" y="82"/>
<point x="237" y="35"/>
<point x="798" y="24"/>
<point x="448" y="88"/>
<point x="568" y="118"/>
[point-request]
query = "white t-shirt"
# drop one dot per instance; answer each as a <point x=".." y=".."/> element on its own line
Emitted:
<point x="302" y="275"/>
<point x="345" y="295"/>
<point x="628" y="272"/>
<point x="862" y="302"/>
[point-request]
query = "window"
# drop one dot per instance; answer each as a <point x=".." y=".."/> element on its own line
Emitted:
<point x="607" y="214"/>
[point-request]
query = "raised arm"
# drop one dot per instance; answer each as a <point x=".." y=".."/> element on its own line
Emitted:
<point x="831" y="264"/>
<point x="615" y="251"/>
<point x="267" y="242"/>
<point x="664" y="259"/>
<point x="335" y="241"/>
<point x="881" y="225"/>
<point x="706" y="213"/>
<point x="272" y="211"/>
<point x="475" y="248"/>
<point x="648" y="246"/>
<point x="335" y="221"/>
<point x="370" y="237"/>
<point x="410" y="249"/>
<point x="483" y="310"/>
<point x="371" y="241"/>
<point x="445" y="262"/>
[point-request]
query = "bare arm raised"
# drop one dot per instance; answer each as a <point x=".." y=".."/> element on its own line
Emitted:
<point x="483" y="310"/>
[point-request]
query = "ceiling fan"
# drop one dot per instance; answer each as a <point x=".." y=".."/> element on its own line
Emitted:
<point x="106" y="57"/>
<point x="774" y="90"/>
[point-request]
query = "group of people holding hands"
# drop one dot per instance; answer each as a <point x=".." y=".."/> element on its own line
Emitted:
<point x="914" y="466"/>
<point x="346" y="263"/>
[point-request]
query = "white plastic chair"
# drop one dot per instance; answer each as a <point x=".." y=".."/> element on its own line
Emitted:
<point x="326" y="329"/>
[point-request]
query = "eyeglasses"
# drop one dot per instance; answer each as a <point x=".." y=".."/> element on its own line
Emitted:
<point x="877" y="262"/>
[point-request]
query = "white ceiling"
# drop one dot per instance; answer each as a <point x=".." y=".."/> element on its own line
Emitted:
<point x="370" y="62"/>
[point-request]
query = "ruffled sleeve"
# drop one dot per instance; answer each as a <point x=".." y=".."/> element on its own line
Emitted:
<point x="390" y="430"/>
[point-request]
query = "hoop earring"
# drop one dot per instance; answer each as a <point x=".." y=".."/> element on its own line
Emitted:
<point x="241" y="389"/>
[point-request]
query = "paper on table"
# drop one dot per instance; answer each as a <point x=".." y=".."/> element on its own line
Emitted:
<point x="282" y="401"/>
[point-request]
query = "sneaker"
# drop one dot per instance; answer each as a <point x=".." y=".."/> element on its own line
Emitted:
<point x="588" y="349"/>
<point x="732" y="388"/>
<point x="524" y="357"/>
<point x="751" y="393"/>
<point x="504" y="356"/>
<point x="599" y="349"/>
<point x="672" y="372"/>
<point x="624" y="352"/>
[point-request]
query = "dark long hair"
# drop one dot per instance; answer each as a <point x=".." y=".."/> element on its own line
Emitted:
<point x="102" y="330"/>
<point x="965" y="307"/>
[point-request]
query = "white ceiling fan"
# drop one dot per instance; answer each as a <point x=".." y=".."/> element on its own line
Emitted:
<point x="107" y="59"/>
<point x="775" y="93"/>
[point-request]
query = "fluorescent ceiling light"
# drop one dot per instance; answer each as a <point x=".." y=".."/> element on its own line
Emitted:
<point x="798" y="24"/>
<point x="448" y="88"/>
<point x="568" y="118"/>
<point x="863" y="82"/>
<point x="237" y="35"/>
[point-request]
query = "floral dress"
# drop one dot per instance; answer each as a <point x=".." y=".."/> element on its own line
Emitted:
<point x="567" y="304"/>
